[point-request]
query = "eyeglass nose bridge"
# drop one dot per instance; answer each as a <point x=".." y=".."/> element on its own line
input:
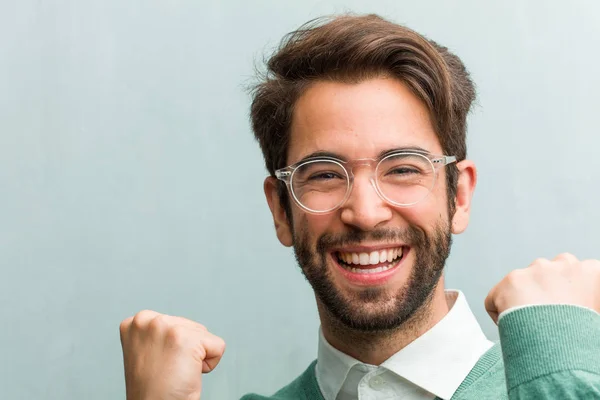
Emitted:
<point x="362" y="162"/>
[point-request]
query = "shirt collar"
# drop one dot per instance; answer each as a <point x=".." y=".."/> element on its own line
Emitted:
<point x="437" y="361"/>
<point x="332" y="368"/>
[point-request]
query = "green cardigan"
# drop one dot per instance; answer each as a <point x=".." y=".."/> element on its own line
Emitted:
<point x="545" y="352"/>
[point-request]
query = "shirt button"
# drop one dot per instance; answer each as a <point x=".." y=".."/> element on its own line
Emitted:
<point x="362" y="368"/>
<point x="376" y="382"/>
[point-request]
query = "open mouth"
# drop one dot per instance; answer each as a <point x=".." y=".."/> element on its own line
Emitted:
<point x="373" y="262"/>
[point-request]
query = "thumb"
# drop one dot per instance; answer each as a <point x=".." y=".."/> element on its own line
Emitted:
<point x="490" y="305"/>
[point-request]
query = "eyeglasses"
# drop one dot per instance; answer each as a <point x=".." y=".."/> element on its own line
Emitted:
<point x="323" y="184"/>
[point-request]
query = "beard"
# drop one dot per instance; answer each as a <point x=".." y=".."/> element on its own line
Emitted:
<point x="376" y="309"/>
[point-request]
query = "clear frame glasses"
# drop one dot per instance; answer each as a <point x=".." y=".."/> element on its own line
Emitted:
<point x="323" y="184"/>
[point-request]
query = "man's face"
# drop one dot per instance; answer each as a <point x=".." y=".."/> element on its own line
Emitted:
<point x="362" y="121"/>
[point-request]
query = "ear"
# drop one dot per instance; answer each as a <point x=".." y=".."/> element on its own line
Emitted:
<point x="282" y="226"/>
<point x="467" y="179"/>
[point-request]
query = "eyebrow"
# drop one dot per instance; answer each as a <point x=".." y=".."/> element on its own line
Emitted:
<point x="382" y="154"/>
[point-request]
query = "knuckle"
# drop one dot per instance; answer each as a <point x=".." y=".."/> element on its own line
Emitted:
<point x="158" y="323"/>
<point x="124" y="326"/>
<point x="567" y="257"/>
<point x="174" y="336"/>
<point x="142" y="318"/>
<point x="519" y="277"/>
<point x="515" y="275"/>
<point x="189" y="323"/>
<point x="146" y="314"/>
<point x="538" y="262"/>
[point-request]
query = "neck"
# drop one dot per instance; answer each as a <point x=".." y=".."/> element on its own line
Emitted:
<point x="376" y="347"/>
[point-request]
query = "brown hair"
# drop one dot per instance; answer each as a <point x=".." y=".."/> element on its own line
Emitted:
<point x="352" y="48"/>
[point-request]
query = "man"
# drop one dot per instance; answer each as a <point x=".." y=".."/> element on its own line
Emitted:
<point x="362" y="125"/>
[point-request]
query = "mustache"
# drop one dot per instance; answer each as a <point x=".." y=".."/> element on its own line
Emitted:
<point x="411" y="235"/>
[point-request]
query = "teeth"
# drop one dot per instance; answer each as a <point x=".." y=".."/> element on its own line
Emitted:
<point x="370" y="270"/>
<point x="372" y="258"/>
<point x="364" y="258"/>
<point x="382" y="255"/>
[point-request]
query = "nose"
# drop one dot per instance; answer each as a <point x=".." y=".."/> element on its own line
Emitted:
<point x="365" y="209"/>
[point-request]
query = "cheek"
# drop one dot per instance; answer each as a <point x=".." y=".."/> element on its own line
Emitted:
<point x="314" y="225"/>
<point x="428" y="213"/>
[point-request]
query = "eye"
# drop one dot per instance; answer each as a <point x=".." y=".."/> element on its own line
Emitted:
<point x="324" y="176"/>
<point x="404" y="170"/>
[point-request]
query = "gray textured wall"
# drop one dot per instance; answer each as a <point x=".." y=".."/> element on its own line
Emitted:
<point x="129" y="178"/>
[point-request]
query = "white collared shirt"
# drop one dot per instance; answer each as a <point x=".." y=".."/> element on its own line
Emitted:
<point x="434" y="364"/>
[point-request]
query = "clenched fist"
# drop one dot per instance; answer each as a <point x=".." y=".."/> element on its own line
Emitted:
<point x="564" y="280"/>
<point x="165" y="356"/>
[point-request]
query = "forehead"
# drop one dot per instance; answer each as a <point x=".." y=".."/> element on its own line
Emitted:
<point x="359" y="120"/>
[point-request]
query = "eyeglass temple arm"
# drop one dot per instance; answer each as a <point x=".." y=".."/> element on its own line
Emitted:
<point x="445" y="160"/>
<point x="283" y="175"/>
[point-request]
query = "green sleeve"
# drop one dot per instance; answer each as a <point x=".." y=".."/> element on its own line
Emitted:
<point x="551" y="352"/>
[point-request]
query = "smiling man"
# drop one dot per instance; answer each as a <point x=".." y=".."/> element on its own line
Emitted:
<point x="362" y="125"/>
